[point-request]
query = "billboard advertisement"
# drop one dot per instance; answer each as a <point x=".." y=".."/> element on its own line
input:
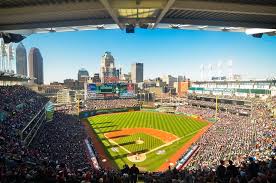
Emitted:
<point x="127" y="90"/>
<point x="91" y="90"/>
<point x="130" y="88"/>
<point x="92" y="87"/>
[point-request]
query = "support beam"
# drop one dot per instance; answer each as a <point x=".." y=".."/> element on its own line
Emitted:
<point x="163" y="13"/>
<point x="224" y="7"/>
<point x="112" y="13"/>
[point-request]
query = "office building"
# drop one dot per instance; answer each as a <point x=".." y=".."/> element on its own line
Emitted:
<point x="96" y="78"/>
<point x="21" y="60"/>
<point x="83" y="75"/>
<point x="66" y="96"/>
<point x="169" y="80"/>
<point x="36" y="66"/>
<point x="108" y="72"/>
<point x="137" y="72"/>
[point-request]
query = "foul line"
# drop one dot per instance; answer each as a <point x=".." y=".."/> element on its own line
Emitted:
<point x="113" y="142"/>
<point x="159" y="147"/>
<point x="170" y="143"/>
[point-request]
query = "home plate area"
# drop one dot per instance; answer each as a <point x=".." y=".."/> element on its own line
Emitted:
<point x="137" y="157"/>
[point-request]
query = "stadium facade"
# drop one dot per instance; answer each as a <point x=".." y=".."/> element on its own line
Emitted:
<point x="36" y="66"/>
<point x="248" y="88"/>
<point x="21" y="60"/>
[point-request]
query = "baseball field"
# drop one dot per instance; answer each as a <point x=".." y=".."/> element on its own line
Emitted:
<point x="148" y="139"/>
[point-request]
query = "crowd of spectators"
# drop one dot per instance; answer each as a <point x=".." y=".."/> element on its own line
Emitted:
<point x="110" y="104"/>
<point x="202" y="112"/>
<point x="232" y="108"/>
<point x="231" y="97"/>
<point x="234" y="137"/>
<point x="19" y="105"/>
<point x="69" y="148"/>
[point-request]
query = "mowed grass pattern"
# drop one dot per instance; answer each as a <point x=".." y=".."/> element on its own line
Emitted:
<point x="179" y="125"/>
<point x="129" y="142"/>
<point x="182" y="126"/>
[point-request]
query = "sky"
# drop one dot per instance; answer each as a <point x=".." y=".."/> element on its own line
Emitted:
<point x="163" y="51"/>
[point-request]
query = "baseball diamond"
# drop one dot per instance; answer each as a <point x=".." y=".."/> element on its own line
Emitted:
<point x="139" y="136"/>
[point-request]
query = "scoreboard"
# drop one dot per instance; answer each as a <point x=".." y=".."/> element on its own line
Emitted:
<point x="121" y="89"/>
<point x="106" y="88"/>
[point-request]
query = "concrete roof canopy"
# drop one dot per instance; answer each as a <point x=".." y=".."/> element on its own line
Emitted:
<point x="42" y="16"/>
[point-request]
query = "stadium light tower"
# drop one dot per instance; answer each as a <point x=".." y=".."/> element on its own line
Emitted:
<point x="219" y="65"/>
<point x="230" y="71"/>
<point x="210" y="67"/>
<point x="201" y="72"/>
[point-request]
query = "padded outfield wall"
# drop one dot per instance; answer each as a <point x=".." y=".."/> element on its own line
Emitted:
<point x="89" y="113"/>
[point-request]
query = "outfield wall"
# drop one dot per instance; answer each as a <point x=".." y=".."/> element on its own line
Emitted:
<point x="88" y="113"/>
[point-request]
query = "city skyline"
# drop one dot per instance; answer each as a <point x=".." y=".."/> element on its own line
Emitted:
<point x="173" y="52"/>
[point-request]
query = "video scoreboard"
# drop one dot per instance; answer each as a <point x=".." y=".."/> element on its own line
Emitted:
<point x="120" y="89"/>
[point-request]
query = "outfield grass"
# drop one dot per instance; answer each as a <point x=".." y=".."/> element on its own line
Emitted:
<point x="182" y="126"/>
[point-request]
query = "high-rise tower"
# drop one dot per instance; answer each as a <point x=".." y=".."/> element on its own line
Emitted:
<point x="108" y="70"/>
<point x="36" y="66"/>
<point x="137" y="72"/>
<point x="83" y="74"/>
<point x="21" y="60"/>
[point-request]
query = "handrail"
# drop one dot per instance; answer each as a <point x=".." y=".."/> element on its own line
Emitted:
<point x="30" y="132"/>
<point x="33" y="119"/>
<point x="35" y="133"/>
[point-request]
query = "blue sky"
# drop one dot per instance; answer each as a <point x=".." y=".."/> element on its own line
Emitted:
<point x="163" y="51"/>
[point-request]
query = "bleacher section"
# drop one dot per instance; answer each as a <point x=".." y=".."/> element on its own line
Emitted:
<point x="235" y="88"/>
<point x="23" y="109"/>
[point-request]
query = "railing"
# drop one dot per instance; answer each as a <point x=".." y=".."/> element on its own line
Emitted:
<point x="30" y="130"/>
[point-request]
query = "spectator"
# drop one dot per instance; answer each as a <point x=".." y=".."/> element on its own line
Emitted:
<point x="253" y="168"/>
<point x="221" y="172"/>
<point x="134" y="171"/>
<point x="231" y="171"/>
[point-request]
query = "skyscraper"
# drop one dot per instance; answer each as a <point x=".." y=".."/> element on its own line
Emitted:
<point x="96" y="78"/>
<point x="180" y="78"/>
<point x="83" y="74"/>
<point x="169" y="80"/>
<point x="137" y="72"/>
<point x="21" y="60"/>
<point x="108" y="70"/>
<point x="36" y="66"/>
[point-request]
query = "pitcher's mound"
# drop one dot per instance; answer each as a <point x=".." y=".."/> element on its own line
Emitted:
<point x="139" y="141"/>
<point x="136" y="157"/>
